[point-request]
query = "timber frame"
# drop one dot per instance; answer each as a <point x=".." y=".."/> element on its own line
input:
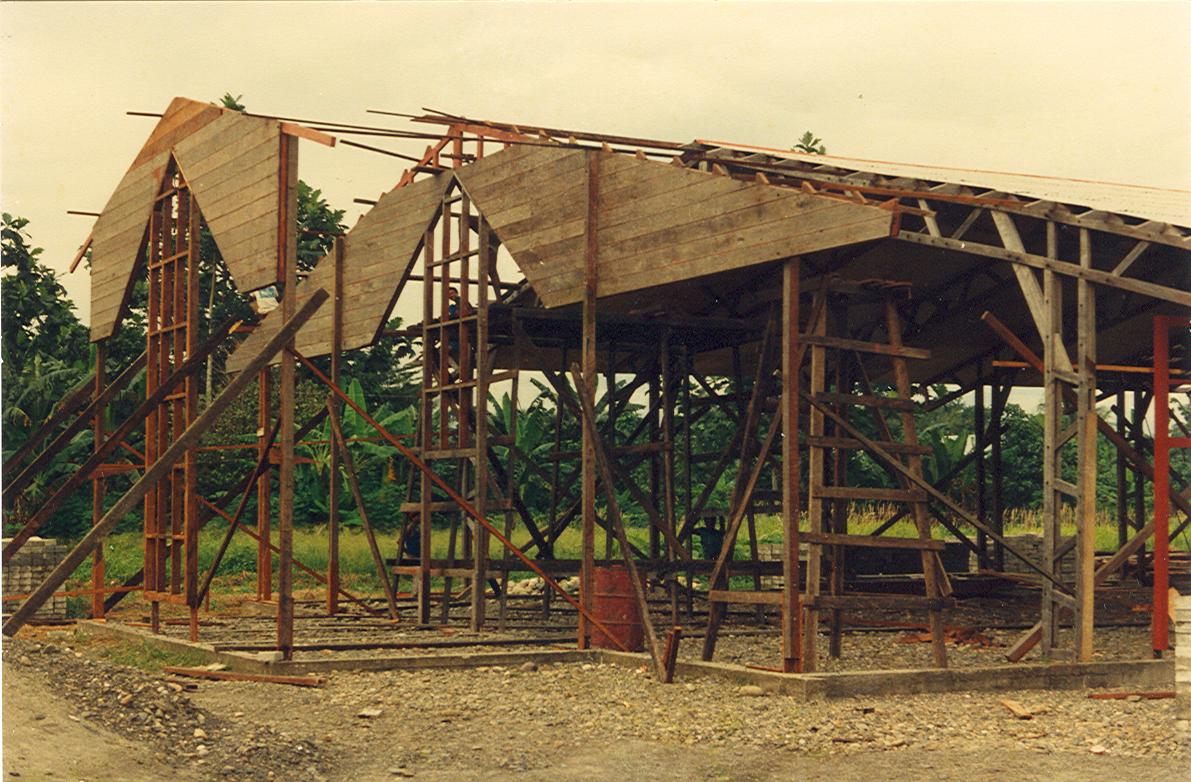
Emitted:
<point x="779" y="293"/>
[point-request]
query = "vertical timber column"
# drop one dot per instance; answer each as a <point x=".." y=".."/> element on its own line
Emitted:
<point x="791" y="471"/>
<point x="264" y="553"/>
<point x="1001" y="398"/>
<point x="188" y="341"/>
<point x="1122" y="504"/>
<point x="1086" y="420"/>
<point x="337" y="250"/>
<point x="1052" y="409"/>
<point x="287" y="271"/>
<point x="815" y="504"/>
<point x="154" y="546"/>
<point x="97" y="486"/>
<point x="588" y="359"/>
<point x="1159" y="605"/>
<point x="1141" y="403"/>
<point x="687" y="371"/>
<point x="484" y="262"/>
<point x="668" y="469"/>
<point x="981" y="444"/>
<point x="426" y="426"/>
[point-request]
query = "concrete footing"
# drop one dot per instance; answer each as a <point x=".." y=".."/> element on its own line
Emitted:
<point x="1120" y="674"/>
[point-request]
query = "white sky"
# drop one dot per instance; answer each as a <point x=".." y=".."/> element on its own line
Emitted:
<point x="1099" y="91"/>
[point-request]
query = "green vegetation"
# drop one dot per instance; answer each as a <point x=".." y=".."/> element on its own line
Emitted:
<point x="810" y="144"/>
<point x="147" y="657"/>
<point x="123" y="550"/>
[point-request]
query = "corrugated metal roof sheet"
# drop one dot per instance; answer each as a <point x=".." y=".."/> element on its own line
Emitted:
<point x="1148" y="203"/>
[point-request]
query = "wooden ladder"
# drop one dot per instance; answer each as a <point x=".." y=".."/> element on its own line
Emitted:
<point x="829" y="493"/>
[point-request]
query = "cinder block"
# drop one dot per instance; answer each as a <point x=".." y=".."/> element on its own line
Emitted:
<point x="28" y="569"/>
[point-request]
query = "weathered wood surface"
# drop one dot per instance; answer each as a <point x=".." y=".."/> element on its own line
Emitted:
<point x="233" y="166"/>
<point x="657" y="224"/>
<point x="231" y="162"/>
<point x="378" y="255"/>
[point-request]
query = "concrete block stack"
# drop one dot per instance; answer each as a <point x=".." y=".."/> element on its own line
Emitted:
<point x="27" y="570"/>
<point x="1031" y="547"/>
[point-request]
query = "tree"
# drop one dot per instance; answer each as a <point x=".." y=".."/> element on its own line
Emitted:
<point x="38" y="318"/>
<point x="44" y="357"/>
<point x="810" y="144"/>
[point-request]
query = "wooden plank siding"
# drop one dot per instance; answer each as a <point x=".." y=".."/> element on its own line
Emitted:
<point x="231" y="162"/>
<point x="378" y="253"/>
<point x="658" y="223"/>
<point x="233" y="166"/>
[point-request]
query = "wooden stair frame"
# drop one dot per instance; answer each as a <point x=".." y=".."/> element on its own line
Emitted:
<point x="828" y="493"/>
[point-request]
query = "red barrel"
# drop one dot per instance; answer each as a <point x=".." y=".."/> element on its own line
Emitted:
<point x="615" y="606"/>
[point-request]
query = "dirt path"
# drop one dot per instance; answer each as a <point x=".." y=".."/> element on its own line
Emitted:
<point x="44" y="738"/>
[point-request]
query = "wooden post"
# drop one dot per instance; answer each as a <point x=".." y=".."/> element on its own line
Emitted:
<point x="264" y="551"/>
<point x="815" y="504"/>
<point x="655" y="474"/>
<point x="998" y="512"/>
<point x="555" y="487"/>
<point x="980" y="445"/>
<point x="426" y="427"/>
<point x="1141" y="404"/>
<point x="791" y="471"/>
<point x="288" y="266"/>
<point x="98" y="486"/>
<point x="667" y="402"/>
<point x="187" y="341"/>
<point x="588" y="359"/>
<point x="1122" y="493"/>
<point x="932" y="568"/>
<point x="337" y="252"/>
<point x="340" y="443"/>
<point x="686" y="479"/>
<point x="1086" y="418"/>
<point x="1159" y="620"/>
<point x="480" y="542"/>
<point x="615" y="523"/>
<point x="1052" y="410"/>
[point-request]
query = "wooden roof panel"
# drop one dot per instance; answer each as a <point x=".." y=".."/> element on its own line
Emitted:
<point x="378" y="255"/>
<point x="232" y="162"/>
<point x="233" y="165"/>
<point x="657" y="223"/>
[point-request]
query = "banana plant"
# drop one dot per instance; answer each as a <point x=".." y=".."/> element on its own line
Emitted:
<point x="375" y="461"/>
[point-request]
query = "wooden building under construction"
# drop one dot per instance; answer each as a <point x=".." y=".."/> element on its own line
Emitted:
<point x="823" y="289"/>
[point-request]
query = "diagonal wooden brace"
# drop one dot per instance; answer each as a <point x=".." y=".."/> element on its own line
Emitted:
<point x="163" y="465"/>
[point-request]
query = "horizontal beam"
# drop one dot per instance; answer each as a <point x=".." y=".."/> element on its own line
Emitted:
<point x="870" y="541"/>
<point x="741" y="596"/>
<point x="1106" y="279"/>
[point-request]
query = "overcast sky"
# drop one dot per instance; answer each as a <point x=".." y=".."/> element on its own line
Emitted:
<point x="1100" y="91"/>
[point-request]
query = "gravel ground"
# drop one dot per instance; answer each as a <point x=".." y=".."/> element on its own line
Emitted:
<point x="595" y="722"/>
<point x="911" y="649"/>
<point x="149" y="710"/>
<point x="521" y="721"/>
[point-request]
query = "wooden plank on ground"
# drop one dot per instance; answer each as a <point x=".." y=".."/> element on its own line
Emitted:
<point x="233" y="676"/>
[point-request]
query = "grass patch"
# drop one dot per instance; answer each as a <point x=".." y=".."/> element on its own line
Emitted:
<point x="145" y="656"/>
<point x="124" y="552"/>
